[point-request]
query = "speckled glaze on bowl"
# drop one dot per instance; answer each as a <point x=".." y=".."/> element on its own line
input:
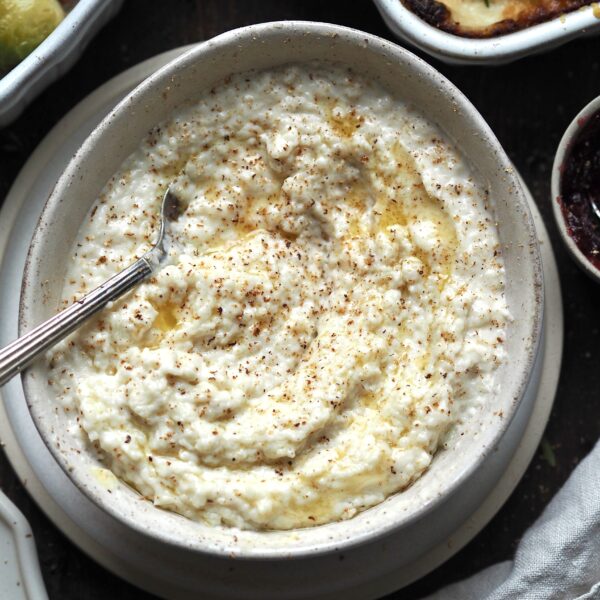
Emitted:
<point x="401" y="518"/>
<point x="555" y="186"/>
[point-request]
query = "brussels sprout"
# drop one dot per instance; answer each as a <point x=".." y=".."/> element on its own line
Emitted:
<point x="24" y="24"/>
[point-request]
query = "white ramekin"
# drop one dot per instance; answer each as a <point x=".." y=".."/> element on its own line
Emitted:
<point x="555" y="186"/>
<point x="401" y="517"/>
<point x="455" y="49"/>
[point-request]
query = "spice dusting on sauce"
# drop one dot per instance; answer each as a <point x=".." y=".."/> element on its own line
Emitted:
<point x="580" y="189"/>
<point x="334" y="304"/>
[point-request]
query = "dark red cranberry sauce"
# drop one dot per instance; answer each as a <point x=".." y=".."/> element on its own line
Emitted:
<point x="580" y="183"/>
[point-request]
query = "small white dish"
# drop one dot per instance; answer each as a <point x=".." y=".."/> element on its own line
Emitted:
<point x="455" y="49"/>
<point x="555" y="187"/>
<point x="54" y="56"/>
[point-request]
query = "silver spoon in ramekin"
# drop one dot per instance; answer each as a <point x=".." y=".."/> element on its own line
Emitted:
<point x="20" y="353"/>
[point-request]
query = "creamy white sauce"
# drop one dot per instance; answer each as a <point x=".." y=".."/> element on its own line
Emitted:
<point x="334" y="304"/>
<point x="476" y="14"/>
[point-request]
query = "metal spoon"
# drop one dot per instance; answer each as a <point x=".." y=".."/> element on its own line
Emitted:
<point x="20" y="353"/>
<point x="595" y="208"/>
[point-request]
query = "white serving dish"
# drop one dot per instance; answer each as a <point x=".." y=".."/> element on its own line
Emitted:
<point x="54" y="56"/>
<point x="455" y="49"/>
<point x="400" y="519"/>
<point x="20" y="576"/>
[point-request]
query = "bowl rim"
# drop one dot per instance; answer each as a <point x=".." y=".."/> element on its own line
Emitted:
<point x="562" y="152"/>
<point x="387" y="48"/>
<point x="495" y="50"/>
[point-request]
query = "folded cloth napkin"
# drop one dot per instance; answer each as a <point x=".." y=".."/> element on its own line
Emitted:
<point x="558" y="558"/>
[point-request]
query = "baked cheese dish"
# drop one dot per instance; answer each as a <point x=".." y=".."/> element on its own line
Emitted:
<point x="489" y="18"/>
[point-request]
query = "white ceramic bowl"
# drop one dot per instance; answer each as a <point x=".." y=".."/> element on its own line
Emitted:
<point x="54" y="56"/>
<point x="497" y="50"/>
<point x="264" y="46"/>
<point x="555" y="186"/>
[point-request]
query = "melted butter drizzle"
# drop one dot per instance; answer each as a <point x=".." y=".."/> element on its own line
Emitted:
<point x="166" y="319"/>
<point x="407" y="204"/>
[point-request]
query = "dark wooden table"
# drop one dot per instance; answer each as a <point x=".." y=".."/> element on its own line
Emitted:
<point x="527" y="104"/>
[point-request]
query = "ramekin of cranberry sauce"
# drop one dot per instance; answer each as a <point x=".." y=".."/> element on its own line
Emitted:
<point x="576" y="188"/>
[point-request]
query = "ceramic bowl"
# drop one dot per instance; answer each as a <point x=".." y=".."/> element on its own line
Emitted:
<point x="555" y="187"/>
<point x="456" y="49"/>
<point x="180" y="82"/>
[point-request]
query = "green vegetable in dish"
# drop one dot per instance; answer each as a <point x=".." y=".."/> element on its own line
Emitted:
<point x="24" y="24"/>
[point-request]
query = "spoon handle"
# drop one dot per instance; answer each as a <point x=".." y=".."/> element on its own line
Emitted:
<point x="20" y="353"/>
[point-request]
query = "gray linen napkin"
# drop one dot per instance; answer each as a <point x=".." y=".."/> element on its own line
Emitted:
<point x="559" y="555"/>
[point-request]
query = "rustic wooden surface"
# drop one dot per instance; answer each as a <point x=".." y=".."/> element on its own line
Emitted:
<point x="527" y="104"/>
